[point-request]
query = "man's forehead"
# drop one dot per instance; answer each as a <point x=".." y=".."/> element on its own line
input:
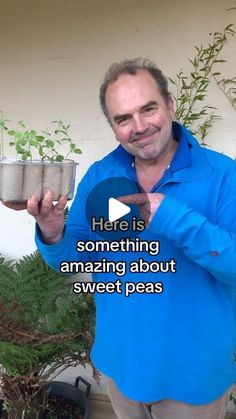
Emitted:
<point x="141" y="83"/>
<point x="136" y="90"/>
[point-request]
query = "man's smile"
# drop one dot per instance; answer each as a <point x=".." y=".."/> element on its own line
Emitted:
<point x="146" y="139"/>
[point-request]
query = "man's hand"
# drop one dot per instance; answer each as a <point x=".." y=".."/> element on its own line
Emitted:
<point x="50" y="217"/>
<point x="148" y="203"/>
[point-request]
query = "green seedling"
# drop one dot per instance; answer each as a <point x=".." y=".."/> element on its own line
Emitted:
<point x="46" y="145"/>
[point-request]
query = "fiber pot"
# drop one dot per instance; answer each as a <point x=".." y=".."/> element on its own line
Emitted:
<point x="20" y="179"/>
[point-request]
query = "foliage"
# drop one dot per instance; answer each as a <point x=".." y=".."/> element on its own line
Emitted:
<point x="44" y="143"/>
<point x="43" y="326"/>
<point x="228" y="87"/>
<point x="190" y="91"/>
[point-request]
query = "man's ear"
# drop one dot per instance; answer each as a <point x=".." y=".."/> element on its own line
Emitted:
<point x="171" y="107"/>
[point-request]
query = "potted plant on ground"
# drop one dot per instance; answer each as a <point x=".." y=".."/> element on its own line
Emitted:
<point x="44" y="329"/>
<point x="39" y="163"/>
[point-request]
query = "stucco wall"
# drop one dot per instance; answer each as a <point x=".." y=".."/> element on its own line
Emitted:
<point x="53" y="57"/>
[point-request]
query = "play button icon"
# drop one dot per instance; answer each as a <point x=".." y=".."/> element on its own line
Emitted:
<point x="116" y="209"/>
<point x="107" y="216"/>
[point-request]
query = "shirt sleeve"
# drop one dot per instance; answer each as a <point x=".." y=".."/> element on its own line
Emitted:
<point x="212" y="246"/>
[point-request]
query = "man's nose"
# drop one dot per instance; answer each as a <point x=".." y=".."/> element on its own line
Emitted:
<point x="139" y="124"/>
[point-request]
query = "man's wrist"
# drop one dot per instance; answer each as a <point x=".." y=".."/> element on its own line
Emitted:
<point x="51" y="239"/>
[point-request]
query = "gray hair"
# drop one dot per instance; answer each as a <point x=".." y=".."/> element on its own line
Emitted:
<point x="132" y="67"/>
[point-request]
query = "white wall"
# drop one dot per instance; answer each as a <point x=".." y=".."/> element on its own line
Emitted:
<point x="53" y="57"/>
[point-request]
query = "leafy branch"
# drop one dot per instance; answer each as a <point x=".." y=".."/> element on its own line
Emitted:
<point x="228" y="87"/>
<point x="191" y="91"/>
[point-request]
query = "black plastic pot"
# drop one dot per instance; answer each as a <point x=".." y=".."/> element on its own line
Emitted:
<point x="72" y="393"/>
<point x="69" y="392"/>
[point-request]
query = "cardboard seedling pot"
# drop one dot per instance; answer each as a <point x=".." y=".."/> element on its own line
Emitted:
<point x="21" y="179"/>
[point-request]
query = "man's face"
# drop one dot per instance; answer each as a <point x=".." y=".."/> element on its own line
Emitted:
<point x="140" y="117"/>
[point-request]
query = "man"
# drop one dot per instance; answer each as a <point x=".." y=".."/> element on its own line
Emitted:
<point x="167" y="355"/>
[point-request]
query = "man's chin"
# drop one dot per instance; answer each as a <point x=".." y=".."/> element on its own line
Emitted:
<point x="142" y="153"/>
<point x="146" y="156"/>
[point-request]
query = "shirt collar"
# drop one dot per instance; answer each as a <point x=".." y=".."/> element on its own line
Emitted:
<point x="182" y="157"/>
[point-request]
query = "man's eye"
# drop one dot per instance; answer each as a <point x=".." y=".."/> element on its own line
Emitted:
<point x="148" y="110"/>
<point x="123" y="120"/>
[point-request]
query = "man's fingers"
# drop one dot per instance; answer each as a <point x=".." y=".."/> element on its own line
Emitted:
<point x="138" y="199"/>
<point x="46" y="204"/>
<point x="60" y="206"/>
<point x="33" y="205"/>
<point x="148" y="203"/>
